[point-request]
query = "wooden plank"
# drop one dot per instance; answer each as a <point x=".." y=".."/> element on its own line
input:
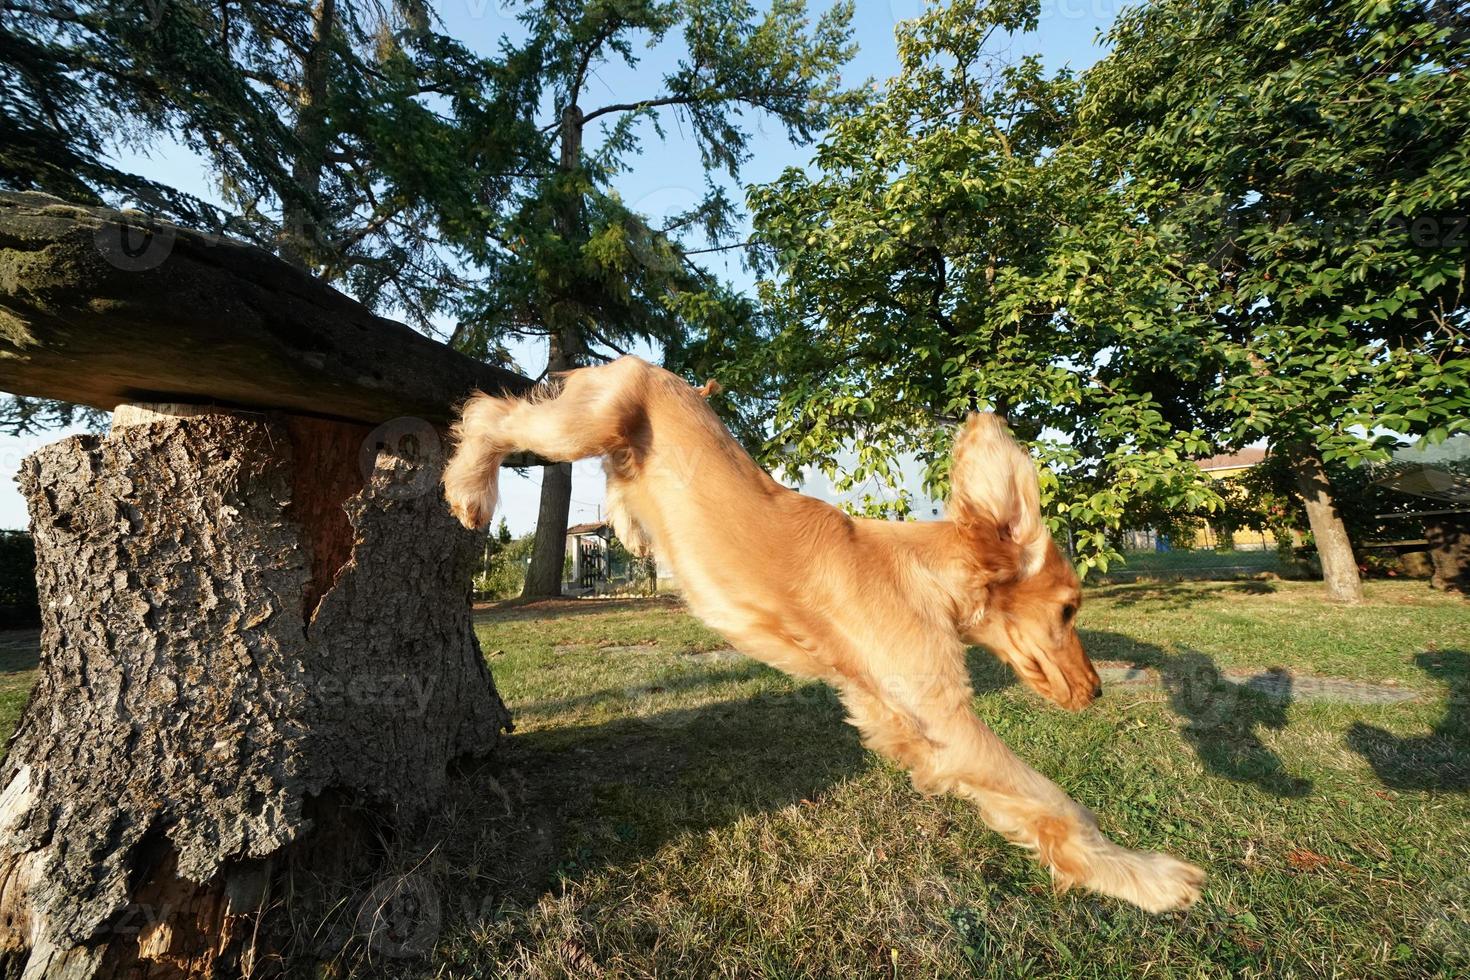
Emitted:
<point x="102" y="307"/>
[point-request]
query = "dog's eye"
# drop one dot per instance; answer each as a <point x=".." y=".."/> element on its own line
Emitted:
<point x="1068" y="611"/>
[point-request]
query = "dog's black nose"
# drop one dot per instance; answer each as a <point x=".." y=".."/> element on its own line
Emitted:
<point x="1097" y="690"/>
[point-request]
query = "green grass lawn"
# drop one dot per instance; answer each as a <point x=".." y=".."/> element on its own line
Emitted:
<point x="667" y="809"/>
<point x="671" y="812"/>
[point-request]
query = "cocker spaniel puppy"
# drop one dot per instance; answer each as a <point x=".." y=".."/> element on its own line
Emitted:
<point x="881" y="610"/>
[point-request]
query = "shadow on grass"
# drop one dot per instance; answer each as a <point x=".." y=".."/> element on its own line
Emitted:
<point x="559" y="806"/>
<point x="1178" y="593"/>
<point x="1222" y="718"/>
<point x="581" y="798"/>
<point x="986" y="674"/>
<point x="1438" y="761"/>
<point x="680" y="683"/>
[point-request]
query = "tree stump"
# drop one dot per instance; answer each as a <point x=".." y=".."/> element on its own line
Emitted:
<point x="254" y="626"/>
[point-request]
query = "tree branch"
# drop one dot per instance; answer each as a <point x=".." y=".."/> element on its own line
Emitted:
<point x="755" y="98"/>
<point x="593" y="46"/>
<point x="645" y="104"/>
<point x="718" y="248"/>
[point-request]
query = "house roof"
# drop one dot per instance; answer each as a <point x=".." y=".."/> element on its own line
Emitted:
<point x="592" y="528"/>
<point x="1249" y="456"/>
<point x="1439" y="472"/>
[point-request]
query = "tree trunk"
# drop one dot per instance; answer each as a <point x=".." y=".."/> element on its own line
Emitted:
<point x="300" y="235"/>
<point x="549" y="551"/>
<point x="101" y="307"/>
<point x="257" y="657"/>
<point x="1334" y="549"/>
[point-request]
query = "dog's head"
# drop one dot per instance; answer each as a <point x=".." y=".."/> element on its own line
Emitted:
<point x="1025" y="594"/>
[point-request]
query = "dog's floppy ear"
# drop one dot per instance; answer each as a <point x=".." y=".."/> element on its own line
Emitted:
<point x="993" y="482"/>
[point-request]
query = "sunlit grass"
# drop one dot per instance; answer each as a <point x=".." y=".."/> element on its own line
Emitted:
<point x="678" y="814"/>
<point x="667" y="808"/>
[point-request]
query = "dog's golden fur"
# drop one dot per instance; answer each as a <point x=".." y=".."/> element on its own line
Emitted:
<point x="881" y="610"/>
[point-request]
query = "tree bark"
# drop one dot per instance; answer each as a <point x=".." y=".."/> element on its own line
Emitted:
<point x="102" y="307"/>
<point x="1334" y="548"/>
<point x="256" y="642"/>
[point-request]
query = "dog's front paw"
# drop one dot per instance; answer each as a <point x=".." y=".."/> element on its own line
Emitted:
<point x="1166" y="884"/>
<point x="1154" y="882"/>
<point x="470" y="488"/>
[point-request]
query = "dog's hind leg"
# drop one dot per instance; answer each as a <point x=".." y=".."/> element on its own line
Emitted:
<point x="926" y="722"/>
<point x="578" y="414"/>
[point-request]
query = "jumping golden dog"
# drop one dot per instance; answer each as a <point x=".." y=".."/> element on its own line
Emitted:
<point x="881" y="610"/>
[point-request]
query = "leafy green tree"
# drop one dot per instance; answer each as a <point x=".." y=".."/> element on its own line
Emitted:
<point x="502" y="573"/>
<point x="570" y="261"/>
<point x="75" y="86"/>
<point x="1207" y="239"/>
<point x="932" y="267"/>
<point x="1317" y="150"/>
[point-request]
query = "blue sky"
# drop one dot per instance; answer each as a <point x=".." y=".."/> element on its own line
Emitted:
<point x="666" y="179"/>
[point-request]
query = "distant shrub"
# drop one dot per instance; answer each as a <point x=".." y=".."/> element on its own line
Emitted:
<point x="635" y="575"/>
<point x="503" y="573"/>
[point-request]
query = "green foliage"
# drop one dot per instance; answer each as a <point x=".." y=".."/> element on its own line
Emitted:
<point x="501" y="537"/>
<point x="935" y="266"/>
<point x="641" y="572"/>
<point x="1198" y="243"/>
<point x="76" y="80"/>
<point x="363" y="144"/>
<point x="568" y="259"/>
<point x="350" y="136"/>
<point x="20" y="415"/>
<point x="502" y="572"/>
<point x="1305" y="164"/>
